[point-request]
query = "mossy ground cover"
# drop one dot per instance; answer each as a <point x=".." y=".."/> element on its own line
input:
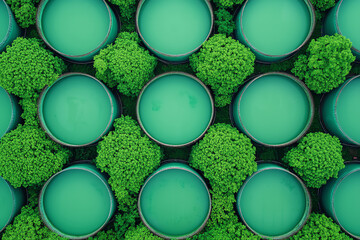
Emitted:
<point x="224" y="222"/>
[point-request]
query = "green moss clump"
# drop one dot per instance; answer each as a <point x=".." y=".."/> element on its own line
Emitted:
<point x="125" y="64"/>
<point x="326" y="63"/>
<point x="28" y="225"/>
<point x="320" y="227"/>
<point x="224" y="21"/>
<point x="227" y="3"/>
<point x="28" y="157"/>
<point x="316" y="158"/>
<point x="26" y="67"/>
<point x="225" y="156"/>
<point x="129" y="157"/>
<point x="24" y="11"/>
<point x="223" y="63"/>
<point x="140" y="232"/>
<point x="30" y="108"/>
<point x="323" y="5"/>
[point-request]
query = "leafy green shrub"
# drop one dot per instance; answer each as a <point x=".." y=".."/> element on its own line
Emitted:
<point x="323" y="5"/>
<point x="320" y="227"/>
<point x="223" y="63"/>
<point x="140" y="232"/>
<point x="225" y="156"/>
<point x="316" y="158"/>
<point x="224" y="21"/>
<point x="28" y="157"/>
<point x="26" y="67"/>
<point x="224" y="223"/>
<point x="29" y="106"/>
<point x="28" y="225"/>
<point x="227" y="3"/>
<point x="125" y="64"/>
<point x="24" y="11"/>
<point x="326" y="63"/>
<point x="128" y="156"/>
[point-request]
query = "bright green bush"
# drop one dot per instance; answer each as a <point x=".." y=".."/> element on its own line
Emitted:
<point x="224" y="223"/>
<point x="128" y="156"/>
<point x="26" y="67"/>
<point x="227" y="3"/>
<point x="316" y="158"/>
<point x="225" y="156"/>
<point x="140" y="232"/>
<point x="125" y="64"/>
<point x="323" y="5"/>
<point x="28" y="157"/>
<point x="320" y="227"/>
<point x="28" y="225"/>
<point x="29" y="106"/>
<point x="224" y="21"/>
<point x="24" y="11"/>
<point x="223" y="63"/>
<point x="326" y="63"/>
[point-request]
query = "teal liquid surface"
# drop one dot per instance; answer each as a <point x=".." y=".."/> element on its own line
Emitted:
<point x="76" y="202"/>
<point x="175" y="109"/>
<point x="75" y="27"/>
<point x="347" y="114"/>
<point x="273" y="202"/>
<point x="349" y="19"/>
<point x="6" y="203"/>
<point x="5" y="111"/>
<point x="4" y="21"/>
<point x="274" y="109"/>
<point x="77" y="109"/>
<point x="276" y="27"/>
<point x="346" y="203"/>
<point x="174" y="26"/>
<point x="175" y="202"/>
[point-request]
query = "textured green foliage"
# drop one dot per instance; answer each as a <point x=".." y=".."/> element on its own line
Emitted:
<point x="223" y="63"/>
<point x="28" y="157"/>
<point x="224" y="223"/>
<point x="24" y="11"/>
<point x="26" y="67"/>
<point x="127" y="7"/>
<point x="224" y="21"/>
<point x="316" y="158"/>
<point x="326" y="63"/>
<point x="125" y="64"/>
<point x="128" y="156"/>
<point x="29" y="106"/>
<point x="323" y="5"/>
<point x="140" y="232"/>
<point x="225" y="156"/>
<point x="320" y="227"/>
<point x="28" y="225"/>
<point x="227" y="3"/>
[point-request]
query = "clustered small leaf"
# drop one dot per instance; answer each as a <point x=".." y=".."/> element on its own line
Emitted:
<point x="320" y="227"/>
<point x="128" y="156"/>
<point x="28" y="157"/>
<point x="26" y="67"/>
<point x="326" y="63"/>
<point x="140" y="232"/>
<point x="227" y="3"/>
<point x="224" y="223"/>
<point x="24" y="11"/>
<point x="323" y="5"/>
<point x="316" y="158"/>
<point x="224" y="21"/>
<point x="225" y="156"/>
<point x="223" y="63"/>
<point x="28" y="225"/>
<point x="125" y="64"/>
